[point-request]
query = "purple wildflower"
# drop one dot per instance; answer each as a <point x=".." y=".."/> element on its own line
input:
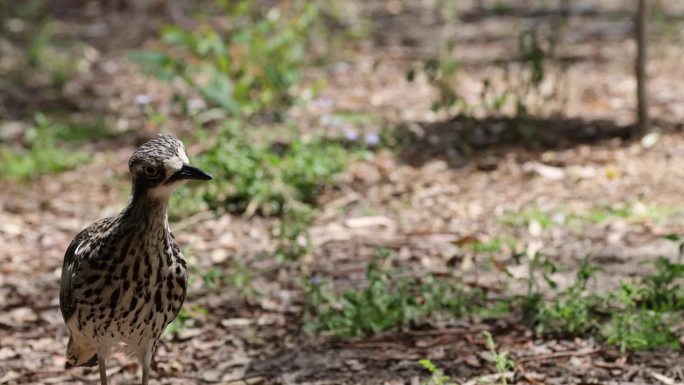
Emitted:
<point x="325" y="102"/>
<point x="142" y="100"/>
<point x="350" y="134"/>
<point x="371" y="138"/>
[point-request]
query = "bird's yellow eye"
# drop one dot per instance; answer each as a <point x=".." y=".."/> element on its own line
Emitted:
<point x="150" y="171"/>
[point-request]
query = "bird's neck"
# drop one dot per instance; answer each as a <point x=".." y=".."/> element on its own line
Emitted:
<point x="146" y="210"/>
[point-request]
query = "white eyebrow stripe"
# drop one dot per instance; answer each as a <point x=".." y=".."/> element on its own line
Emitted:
<point x="183" y="156"/>
<point x="173" y="164"/>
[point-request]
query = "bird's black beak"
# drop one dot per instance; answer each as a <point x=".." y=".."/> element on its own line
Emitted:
<point x="189" y="172"/>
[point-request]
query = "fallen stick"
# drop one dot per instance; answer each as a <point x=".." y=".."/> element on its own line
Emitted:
<point x="567" y="353"/>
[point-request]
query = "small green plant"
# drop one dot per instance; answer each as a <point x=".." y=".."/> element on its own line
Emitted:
<point x="179" y="323"/>
<point x="187" y="317"/>
<point x="533" y="56"/>
<point x="442" y="74"/>
<point x="602" y="213"/>
<point x="498" y="308"/>
<point x="639" y="330"/>
<point x="43" y="152"/>
<point x="237" y="276"/>
<point x="264" y="177"/>
<point x="55" y="64"/>
<point x="517" y="88"/>
<point x="643" y="315"/>
<point x="501" y="7"/>
<point x="493" y="245"/>
<point x="245" y="65"/>
<point x="30" y="11"/>
<point x="240" y="277"/>
<point x="270" y="178"/>
<point x="573" y="312"/>
<point x="638" y="316"/>
<point x="560" y="217"/>
<point x="661" y="291"/>
<point x="387" y="301"/>
<point x="379" y="307"/>
<point x="527" y="216"/>
<point x="212" y="278"/>
<point x="292" y="234"/>
<point x="502" y="362"/>
<point x="48" y="62"/>
<point x="540" y="269"/>
<point x="437" y="376"/>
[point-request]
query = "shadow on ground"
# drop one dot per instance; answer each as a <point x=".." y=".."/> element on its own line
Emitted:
<point x="461" y="140"/>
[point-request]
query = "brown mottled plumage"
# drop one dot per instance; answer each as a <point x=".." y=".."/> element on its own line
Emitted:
<point x="124" y="277"/>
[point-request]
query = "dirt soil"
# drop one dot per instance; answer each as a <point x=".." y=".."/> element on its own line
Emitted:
<point x="424" y="202"/>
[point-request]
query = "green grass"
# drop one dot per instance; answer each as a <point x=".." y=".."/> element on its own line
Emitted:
<point x="236" y="277"/>
<point x="502" y="362"/>
<point x="266" y="177"/>
<point x="629" y="211"/>
<point x="640" y="330"/>
<point x="53" y="62"/>
<point x="248" y="65"/>
<point x="46" y="151"/>
<point x="521" y="98"/>
<point x="247" y="71"/>
<point x="239" y="277"/>
<point x="560" y="217"/>
<point x="48" y="61"/>
<point x="573" y="312"/>
<point x="527" y="216"/>
<point x="437" y="376"/>
<point x="388" y="300"/>
<point x="78" y="132"/>
<point x="187" y="318"/>
<point x="493" y="245"/>
<point x="640" y="315"/>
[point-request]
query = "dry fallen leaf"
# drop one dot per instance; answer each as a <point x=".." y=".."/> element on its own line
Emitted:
<point x="549" y="172"/>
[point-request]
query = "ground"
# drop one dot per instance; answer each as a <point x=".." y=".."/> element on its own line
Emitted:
<point x="426" y="202"/>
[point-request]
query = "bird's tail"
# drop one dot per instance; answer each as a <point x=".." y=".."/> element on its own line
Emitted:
<point x="80" y="353"/>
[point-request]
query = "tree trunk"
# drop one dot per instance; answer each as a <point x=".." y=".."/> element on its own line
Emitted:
<point x="640" y="68"/>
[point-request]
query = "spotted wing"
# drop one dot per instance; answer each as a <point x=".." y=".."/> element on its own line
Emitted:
<point x="76" y="253"/>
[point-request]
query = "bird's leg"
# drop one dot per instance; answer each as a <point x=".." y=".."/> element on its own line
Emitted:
<point x="145" y="374"/>
<point x="145" y="361"/>
<point x="103" y="368"/>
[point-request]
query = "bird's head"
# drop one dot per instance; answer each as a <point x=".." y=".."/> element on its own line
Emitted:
<point x="160" y="165"/>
